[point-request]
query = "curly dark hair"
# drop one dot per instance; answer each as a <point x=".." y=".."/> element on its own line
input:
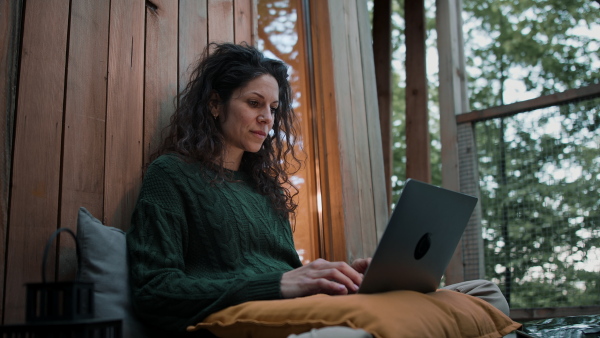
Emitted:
<point x="196" y="135"/>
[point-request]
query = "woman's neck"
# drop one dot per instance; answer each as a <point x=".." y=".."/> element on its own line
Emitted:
<point x="232" y="159"/>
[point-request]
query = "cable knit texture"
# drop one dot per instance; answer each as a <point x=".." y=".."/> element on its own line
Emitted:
<point x="197" y="246"/>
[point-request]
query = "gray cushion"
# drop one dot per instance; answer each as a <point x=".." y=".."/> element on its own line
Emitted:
<point x="103" y="254"/>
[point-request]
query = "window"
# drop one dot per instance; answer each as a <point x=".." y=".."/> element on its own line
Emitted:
<point x="282" y="35"/>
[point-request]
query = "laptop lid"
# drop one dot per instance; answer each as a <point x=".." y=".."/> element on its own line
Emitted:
<point x="419" y="240"/>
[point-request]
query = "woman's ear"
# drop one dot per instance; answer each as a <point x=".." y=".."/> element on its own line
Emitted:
<point x="214" y="103"/>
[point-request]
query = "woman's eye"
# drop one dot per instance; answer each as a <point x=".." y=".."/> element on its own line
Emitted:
<point x="253" y="103"/>
<point x="274" y="110"/>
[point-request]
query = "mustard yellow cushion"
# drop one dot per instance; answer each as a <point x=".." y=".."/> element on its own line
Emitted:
<point x="443" y="313"/>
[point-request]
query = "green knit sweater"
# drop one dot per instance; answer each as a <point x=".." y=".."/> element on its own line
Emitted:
<point x="196" y="246"/>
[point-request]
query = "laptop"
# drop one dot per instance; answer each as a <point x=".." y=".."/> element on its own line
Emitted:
<point x="419" y="240"/>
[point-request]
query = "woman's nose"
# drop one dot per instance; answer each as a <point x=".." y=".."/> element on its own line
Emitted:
<point x="266" y="116"/>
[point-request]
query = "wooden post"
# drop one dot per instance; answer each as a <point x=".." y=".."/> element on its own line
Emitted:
<point x="380" y="180"/>
<point x="450" y="105"/>
<point x="417" y="117"/>
<point x="349" y="136"/>
<point x="450" y="89"/>
<point x="382" y="54"/>
<point x="453" y="101"/>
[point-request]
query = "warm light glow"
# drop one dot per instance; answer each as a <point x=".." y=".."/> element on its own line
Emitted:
<point x="281" y="36"/>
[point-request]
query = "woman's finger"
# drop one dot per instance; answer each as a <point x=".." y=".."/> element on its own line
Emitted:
<point x="361" y="264"/>
<point x="320" y="276"/>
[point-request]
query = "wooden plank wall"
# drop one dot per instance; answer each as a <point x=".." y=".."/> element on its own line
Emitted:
<point x="35" y="191"/>
<point x="10" y="41"/>
<point x="96" y="86"/>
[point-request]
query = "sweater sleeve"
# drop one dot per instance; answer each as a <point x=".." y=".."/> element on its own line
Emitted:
<point x="163" y="294"/>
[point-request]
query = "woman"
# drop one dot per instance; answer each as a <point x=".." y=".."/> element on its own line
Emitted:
<point x="210" y="229"/>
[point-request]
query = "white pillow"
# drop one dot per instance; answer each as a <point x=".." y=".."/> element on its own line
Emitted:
<point x="103" y="255"/>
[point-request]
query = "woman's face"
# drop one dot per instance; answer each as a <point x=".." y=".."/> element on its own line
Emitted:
<point x="248" y="117"/>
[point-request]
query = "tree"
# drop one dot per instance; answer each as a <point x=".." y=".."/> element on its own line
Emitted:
<point x="541" y="212"/>
<point x="541" y="219"/>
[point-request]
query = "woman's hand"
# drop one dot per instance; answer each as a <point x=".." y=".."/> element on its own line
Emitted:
<point x="361" y="264"/>
<point x="321" y="276"/>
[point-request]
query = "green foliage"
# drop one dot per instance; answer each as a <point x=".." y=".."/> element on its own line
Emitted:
<point x="541" y="220"/>
<point x="539" y="171"/>
<point x="532" y="41"/>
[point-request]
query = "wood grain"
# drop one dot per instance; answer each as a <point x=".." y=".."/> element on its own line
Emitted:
<point x="452" y="102"/>
<point x="332" y="234"/>
<point x="10" y="42"/>
<point x="124" y="115"/>
<point x="85" y="111"/>
<point x="451" y="98"/>
<point x="417" y="116"/>
<point x="379" y="177"/>
<point x="220" y="21"/>
<point x="350" y="146"/>
<point x="37" y="149"/>
<point x="244" y="12"/>
<point x="85" y="121"/>
<point x="345" y="110"/>
<point x="193" y="36"/>
<point x="366" y="225"/>
<point x="160" y="72"/>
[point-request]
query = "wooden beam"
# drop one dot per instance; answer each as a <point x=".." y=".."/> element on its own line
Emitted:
<point x="452" y="99"/>
<point x="417" y="117"/>
<point x="449" y="89"/>
<point x="381" y="181"/>
<point x="526" y="314"/>
<point x="382" y="55"/>
<point x="529" y="105"/>
<point x="471" y="251"/>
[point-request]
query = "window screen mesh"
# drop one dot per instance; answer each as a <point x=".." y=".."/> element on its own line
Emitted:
<point x="539" y="174"/>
